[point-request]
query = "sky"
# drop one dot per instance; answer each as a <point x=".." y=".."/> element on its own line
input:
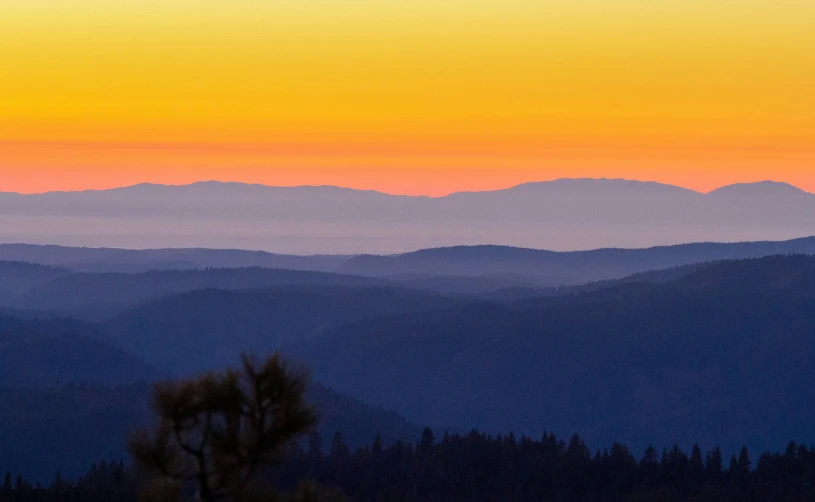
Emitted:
<point x="405" y="96"/>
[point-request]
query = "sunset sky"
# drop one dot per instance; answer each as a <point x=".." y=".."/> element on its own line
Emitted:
<point x="405" y="96"/>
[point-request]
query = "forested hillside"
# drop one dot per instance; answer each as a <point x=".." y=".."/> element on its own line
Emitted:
<point x="44" y="353"/>
<point x="720" y="355"/>
<point x="715" y="353"/>
<point x="206" y="329"/>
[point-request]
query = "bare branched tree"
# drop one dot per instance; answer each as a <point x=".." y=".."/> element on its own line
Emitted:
<point x="216" y="433"/>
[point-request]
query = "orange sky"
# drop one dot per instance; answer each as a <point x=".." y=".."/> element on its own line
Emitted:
<point x="414" y="97"/>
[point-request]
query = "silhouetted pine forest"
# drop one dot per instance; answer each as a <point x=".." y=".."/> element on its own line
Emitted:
<point x="479" y="467"/>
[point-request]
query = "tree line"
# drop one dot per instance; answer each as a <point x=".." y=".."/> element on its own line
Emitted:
<point x="248" y="435"/>
<point x="479" y="467"/>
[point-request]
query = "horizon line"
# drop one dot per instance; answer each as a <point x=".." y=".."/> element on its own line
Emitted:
<point x="510" y="187"/>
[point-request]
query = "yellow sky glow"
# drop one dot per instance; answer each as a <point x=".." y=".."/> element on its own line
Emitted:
<point x="695" y="91"/>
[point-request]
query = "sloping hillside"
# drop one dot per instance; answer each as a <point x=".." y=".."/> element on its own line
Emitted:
<point x="722" y="354"/>
<point x="43" y="353"/>
<point x="19" y="276"/>
<point x="118" y="291"/>
<point x="210" y="328"/>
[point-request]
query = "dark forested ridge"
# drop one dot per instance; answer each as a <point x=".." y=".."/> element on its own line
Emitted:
<point x="502" y="264"/>
<point x="207" y="329"/>
<point x="722" y="354"/>
<point x="478" y="467"/>
<point x="481" y="468"/>
<point x="43" y="353"/>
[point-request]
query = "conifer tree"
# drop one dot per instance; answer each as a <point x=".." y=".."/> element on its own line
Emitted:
<point x="216" y="432"/>
<point x="7" y="487"/>
<point x="744" y="461"/>
<point x="696" y="469"/>
<point x="733" y="468"/>
<point x="714" y="463"/>
<point x="377" y="447"/>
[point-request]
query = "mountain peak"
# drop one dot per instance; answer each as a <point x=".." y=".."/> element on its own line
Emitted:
<point x="758" y="189"/>
<point x="610" y="185"/>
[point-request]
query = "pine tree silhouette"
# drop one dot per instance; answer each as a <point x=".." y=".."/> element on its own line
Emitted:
<point x="216" y="432"/>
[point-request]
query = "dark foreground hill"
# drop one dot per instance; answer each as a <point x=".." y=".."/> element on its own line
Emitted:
<point x="66" y="429"/>
<point x="723" y="354"/>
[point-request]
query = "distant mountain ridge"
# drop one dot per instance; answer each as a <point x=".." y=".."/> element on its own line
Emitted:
<point x="67" y="278"/>
<point x="204" y="186"/>
<point x="101" y="259"/>
<point x="552" y="269"/>
<point x="564" y="214"/>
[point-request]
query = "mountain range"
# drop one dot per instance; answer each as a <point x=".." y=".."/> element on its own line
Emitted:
<point x="708" y="352"/>
<point x="58" y="278"/>
<point x="566" y="214"/>
<point x="719" y="351"/>
<point x="553" y="269"/>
